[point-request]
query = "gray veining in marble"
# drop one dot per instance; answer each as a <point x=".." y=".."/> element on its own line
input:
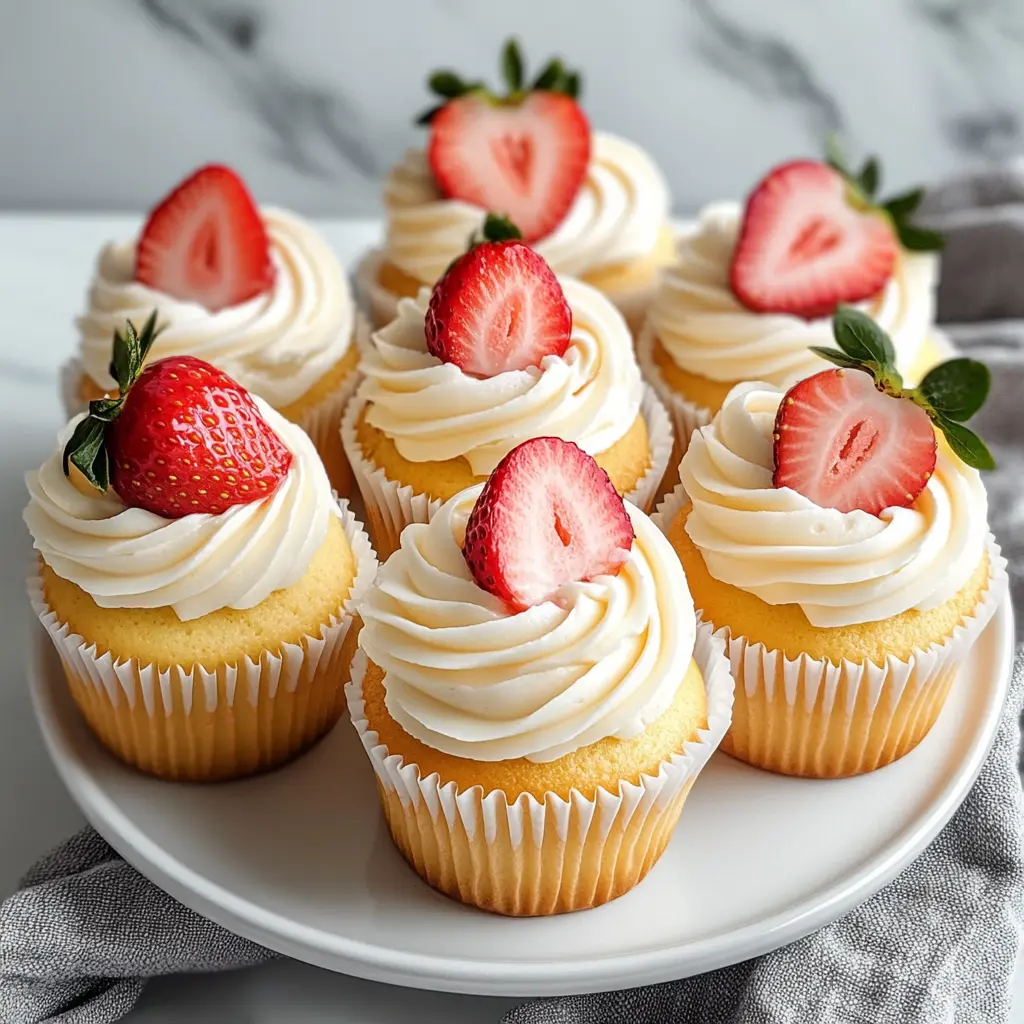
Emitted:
<point x="105" y="104"/>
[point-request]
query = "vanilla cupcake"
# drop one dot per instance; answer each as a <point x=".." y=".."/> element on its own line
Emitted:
<point x="532" y="690"/>
<point x="842" y="552"/>
<point x="257" y="293"/>
<point x="200" y="595"/>
<point x="594" y="205"/>
<point x="502" y="351"/>
<point x="739" y="305"/>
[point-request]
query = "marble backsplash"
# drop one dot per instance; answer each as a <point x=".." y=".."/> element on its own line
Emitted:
<point x="105" y="103"/>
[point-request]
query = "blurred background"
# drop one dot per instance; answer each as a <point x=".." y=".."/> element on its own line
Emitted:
<point x="107" y="103"/>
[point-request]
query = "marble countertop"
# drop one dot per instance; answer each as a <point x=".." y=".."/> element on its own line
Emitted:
<point x="44" y="265"/>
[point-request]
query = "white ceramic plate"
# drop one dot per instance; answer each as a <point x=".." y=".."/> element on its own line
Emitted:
<point x="301" y="861"/>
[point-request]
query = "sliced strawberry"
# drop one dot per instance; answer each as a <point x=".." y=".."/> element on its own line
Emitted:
<point x="206" y="243"/>
<point x="499" y="307"/>
<point x="809" y="242"/>
<point x="846" y="445"/>
<point x="525" y="158"/>
<point x="548" y="515"/>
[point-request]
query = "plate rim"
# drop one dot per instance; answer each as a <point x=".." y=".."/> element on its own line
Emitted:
<point x="446" y="973"/>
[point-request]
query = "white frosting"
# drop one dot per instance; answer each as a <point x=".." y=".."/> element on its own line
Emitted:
<point x="277" y="345"/>
<point x="466" y="676"/>
<point x="132" y="558"/>
<point x="434" y="412"/>
<point x="707" y="331"/>
<point x="842" y="568"/>
<point x="617" y="215"/>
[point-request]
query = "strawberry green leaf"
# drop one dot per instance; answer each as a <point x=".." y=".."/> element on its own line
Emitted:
<point x="87" y="452"/>
<point x="968" y="447"/>
<point x="833" y="355"/>
<point x="905" y="204"/>
<point x="573" y="85"/>
<point x="834" y="156"/>
<point x="957" y="389"/>
<point x="512" y="66"/>
<point x="428" y="115"/>
<point x="867" y="180"/>
<point x="860" y="337"/>
<point x="447" y="84"/>
<point x="915" y="239"/>
<point x="500" y="229"/>
<point x="551" y="77"/>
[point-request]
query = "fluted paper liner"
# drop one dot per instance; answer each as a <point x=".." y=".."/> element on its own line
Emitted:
<point x="322" y="422"/>
<point x="811" y="717"/>
<point x="203" y="724"/>
<point x="391" y="506"/>
<point x="686" y="415"/>
<point x="531" y="857"/>
<point x="381" y="304"/>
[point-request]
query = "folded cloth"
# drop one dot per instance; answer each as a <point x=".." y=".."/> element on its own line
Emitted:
<point x="937" y="944"/>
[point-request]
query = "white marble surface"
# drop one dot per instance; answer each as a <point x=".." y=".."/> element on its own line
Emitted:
<point x="44" y="264"/>
<point x="104" y="105"/>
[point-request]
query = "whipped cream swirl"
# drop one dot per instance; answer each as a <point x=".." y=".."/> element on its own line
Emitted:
<point x="132" y="558"/>
<point x="707" y="331"/>
<point x="277" y="345"/>
<point x="467" y="677"/>
<point x="432" y="411"/>
<point x="842" y="568"/>
<point x="617" y="215"/>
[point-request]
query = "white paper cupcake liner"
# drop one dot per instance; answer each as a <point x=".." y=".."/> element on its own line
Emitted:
<point x="813" y="717"/>
<point x="686" y="415"/>
<point x="391" y="506"/>
<point x="528" y="856"/>
<point x="123" y="687"/>
<point x="379" y="303"/>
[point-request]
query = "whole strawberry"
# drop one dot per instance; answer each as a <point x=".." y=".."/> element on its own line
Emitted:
<point x="498" y="307"/>
<point x="856" y="438"/>
<point x="181" y="437"/>
<point x="524" y="153"/>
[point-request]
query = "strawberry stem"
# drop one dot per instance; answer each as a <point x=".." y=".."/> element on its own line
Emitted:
<point x="87" y="449"/>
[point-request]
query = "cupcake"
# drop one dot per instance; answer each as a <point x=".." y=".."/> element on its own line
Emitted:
<point x="196" y="574"/>
<point x="501" y="351"/>
<point x="752" y="291"/>
<point x="532" y="690"/>
<point x="594" y="205"/>
<point x="258" y="293"/>
<point x="835" y="537"/>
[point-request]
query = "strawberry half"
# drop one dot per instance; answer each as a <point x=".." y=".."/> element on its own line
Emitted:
<point x="808" y="242"/>
<point x="181" y="437"/>
<point x="524" y="154"/>
<point x="206" y="243"/>
<point x="846" y="445"/>
<point x="499" y="307"/>
<point x="548" y="515"/>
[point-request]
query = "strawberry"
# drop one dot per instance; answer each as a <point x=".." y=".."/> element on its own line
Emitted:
<point x="181" y="437"/>
<point x="813" y="237"/>
<point x="855" y="438"/>
<point x="548" y="515"/>
<point x="499" y="307"/>
<point x="524" y="154"/>
<point x="205" y="242"/>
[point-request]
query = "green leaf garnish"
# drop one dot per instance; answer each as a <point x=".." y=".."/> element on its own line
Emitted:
<point x="512" y="66"/>
<point x="902" y="205"/>
<point x="553" y="77"/>
<point x="499" y="228"/>
<point x="951" y="392"/>
<point x="868" y="177"/>
<point x="87" y="448"/>
<point x="966" y="444"/>
<point x="860" y="337"/>
<point x="915" y="239"/>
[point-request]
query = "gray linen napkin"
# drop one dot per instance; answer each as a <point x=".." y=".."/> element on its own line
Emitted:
<point x="937" y="944"/>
